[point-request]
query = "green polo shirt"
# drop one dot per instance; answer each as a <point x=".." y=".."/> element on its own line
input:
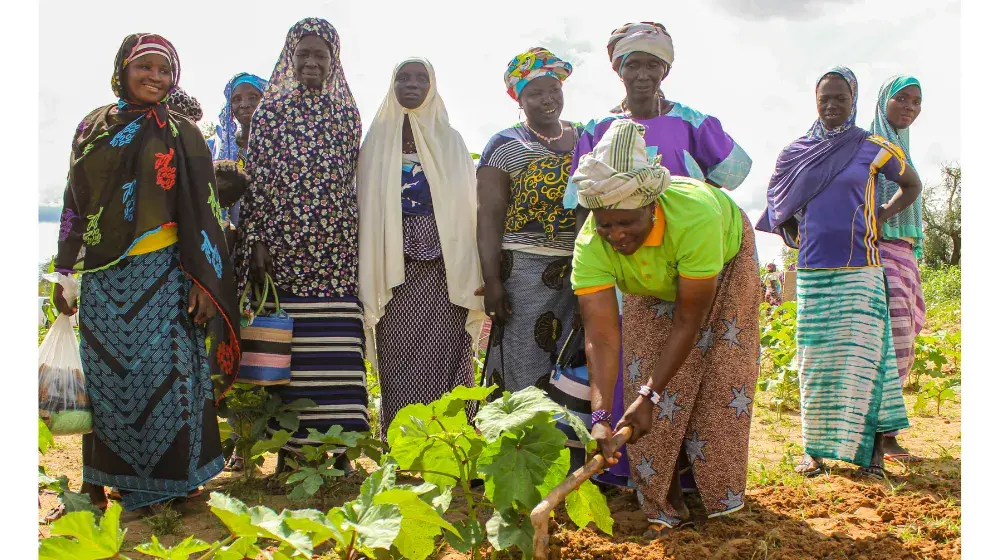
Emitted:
<point x="698" y="230"/>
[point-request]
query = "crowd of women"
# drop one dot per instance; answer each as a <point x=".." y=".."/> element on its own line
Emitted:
<point x="396" y="248"/>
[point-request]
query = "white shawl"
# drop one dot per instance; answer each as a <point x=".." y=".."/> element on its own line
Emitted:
<point x="451" y="175"/>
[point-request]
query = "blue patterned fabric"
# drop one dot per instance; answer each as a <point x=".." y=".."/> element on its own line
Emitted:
<point x="416" y="193"/>
<point x="155" y="432"/>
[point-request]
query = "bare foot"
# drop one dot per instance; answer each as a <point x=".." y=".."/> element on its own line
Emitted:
<point x="97" y="495"/>
<point x="675" y="496"/>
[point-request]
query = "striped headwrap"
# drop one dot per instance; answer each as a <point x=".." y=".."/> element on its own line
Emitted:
<point x="647" y="37"/>
<point x="534" y="63"/>
<point x="620" y="173"/>
<point x="819" y="130"/>
<point x="136" y="46"/>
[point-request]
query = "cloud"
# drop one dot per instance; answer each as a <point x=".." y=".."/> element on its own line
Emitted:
<point x="764" y="10"/>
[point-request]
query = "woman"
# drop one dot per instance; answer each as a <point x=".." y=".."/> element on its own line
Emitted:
<point x="418" y="263"/>
<point x="682" y="252"/>
<point x="525" y="237"/>
<point x="691" y="143"/>
<point x="772" y="287"/>
<point x="243" y="93"/>
<point x="901" y="244"/>
<point x="299" y="224"/>
<point x="140" y="223"/>
<point x="821" y="199"/>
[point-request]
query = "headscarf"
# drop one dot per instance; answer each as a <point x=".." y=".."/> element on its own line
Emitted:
<point x="162" y="176"/>
<point x="647" y="37"/>
<point x="534" y="63"/>
<point x="619" y="173"/>
<point x="226" y="131"/>
<point x="180" y="101"/>
<point x="808" y="165"/>
<point x="909" y="222"/>
<point x="303" y="153"/>
<point x="452" y="178"/>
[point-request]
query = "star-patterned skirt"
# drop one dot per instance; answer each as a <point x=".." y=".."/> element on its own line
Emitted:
<point x="849" y="383"/>
<point x="706" y="407"/>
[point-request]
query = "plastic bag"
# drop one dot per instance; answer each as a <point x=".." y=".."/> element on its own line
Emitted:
<point x="62" y="395"/>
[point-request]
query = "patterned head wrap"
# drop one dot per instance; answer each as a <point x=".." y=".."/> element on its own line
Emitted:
<point x="226" y="147"/>
<point x="619" y="173"/>
<point x="138" y="45"/>
<point x="909" y="222"/>
<point x="534" y="63"/>
<point x="185" y="104"/>
<point x="647" y="37"/>
<point x="819" y="130"/>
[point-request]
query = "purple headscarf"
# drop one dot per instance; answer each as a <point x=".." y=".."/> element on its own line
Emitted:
<point x="808" y="165"/>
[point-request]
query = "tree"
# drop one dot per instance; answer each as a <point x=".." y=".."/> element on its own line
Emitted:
<point x="207" y="129"/>
<point x="942" y="209"/>
<point x="789" y="256"/>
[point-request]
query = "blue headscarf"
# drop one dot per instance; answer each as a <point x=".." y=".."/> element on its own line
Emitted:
<point x="909" y="222"/>
<point x="226" y="147"/>
<point x="808" y="165"/>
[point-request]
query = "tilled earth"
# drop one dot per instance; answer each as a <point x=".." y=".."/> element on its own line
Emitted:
<point x="916" y="514"/>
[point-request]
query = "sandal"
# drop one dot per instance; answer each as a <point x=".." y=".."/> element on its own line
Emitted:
<point x="658" y="528"/>
<point x="874" y="471"/>
<point x="803" y="467"/>
<point x="902" y="458"/>
<point x="54" y="514"/>
<point x="234" y="464"/>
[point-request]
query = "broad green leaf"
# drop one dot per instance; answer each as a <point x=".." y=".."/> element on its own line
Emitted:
<point x="76" y="536"/>
<point x="182" y="551"/>
<point x="288" y="420"/>
<point x="242" y="548"/>
<point x="438" y="416"/>
<point x="45" y="439"/>
<point x="298" y="404"/>
<point x="579" y="428"/>
<point x="75" y="501"/>
<point x="257" y="522"/>
<point x="52" y="484"/>
<point x="298" y="476"/>
<point x="315" y="524"/>
<point x="471" y="393"/>
<point x="515" y="467"/>
<point x="514" y="411"/>
<point x="307" y="487"/>
<point x="418" y="443"/>
<point x="586" y="504"/>
<point x="471" y="535"/>
<point x="377" y="526"/>
<point x="271" y="445"/>
<point x="508" y="528"/>
<point x="413" y="508"/>
<point x="225" y="431"/>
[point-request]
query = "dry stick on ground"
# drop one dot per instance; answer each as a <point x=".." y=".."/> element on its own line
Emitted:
<point x="540" y="515"/>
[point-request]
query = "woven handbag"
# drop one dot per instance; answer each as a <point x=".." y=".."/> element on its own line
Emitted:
<point x="266" y="342"/>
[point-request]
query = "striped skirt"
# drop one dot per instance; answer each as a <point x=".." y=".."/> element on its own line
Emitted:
<point x="906" y="300"/>
<point x="847" y="367"/>
<point x="328" y="365"/>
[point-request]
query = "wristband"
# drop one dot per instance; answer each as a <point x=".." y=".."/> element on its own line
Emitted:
<point x="599" y="416"/>
<point x="649" y="393"/>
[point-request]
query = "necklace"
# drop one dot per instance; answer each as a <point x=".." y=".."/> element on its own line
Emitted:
<point x="562" y="131"/>
<point x="628" y="113"/>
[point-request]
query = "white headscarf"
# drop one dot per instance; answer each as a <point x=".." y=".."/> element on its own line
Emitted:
<point x="619" y="173"/>
<point x="451" y="175"/>
<point x="645" y="37"/>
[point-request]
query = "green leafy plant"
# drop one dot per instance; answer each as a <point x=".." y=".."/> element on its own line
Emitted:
<point x="779" y="376"/>
<point x="249" y="409"/>
<point x="936" y="391"/>
<point x="77" y="536"/>
<point x="517" y="450"/>
<point x="315" y="471"/>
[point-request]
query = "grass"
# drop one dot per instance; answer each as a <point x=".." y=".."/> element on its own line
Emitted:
<point x="165" y="520"/>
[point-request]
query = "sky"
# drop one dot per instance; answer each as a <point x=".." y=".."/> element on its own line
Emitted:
<point x="750" y="63"/>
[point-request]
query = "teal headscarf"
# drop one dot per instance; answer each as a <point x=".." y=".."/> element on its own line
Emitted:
<point x="909" y="222"/>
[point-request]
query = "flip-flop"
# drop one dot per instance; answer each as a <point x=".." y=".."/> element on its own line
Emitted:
<point x="875" y="472"/>
<point x="803" y="467"/>
<point x="902" y="458"/>
<point x="658" y="529"/>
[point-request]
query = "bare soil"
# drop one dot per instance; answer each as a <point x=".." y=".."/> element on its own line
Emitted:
<point x="915" y="514"/>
